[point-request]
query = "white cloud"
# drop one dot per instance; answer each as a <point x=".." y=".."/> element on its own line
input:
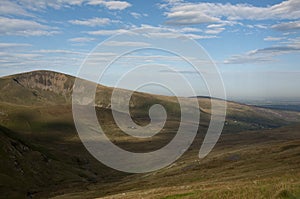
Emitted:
<point x="287" y="26"/>
<point x="186" y="72"/>
<point x="59" y="51"/>
<point x="13" y="45"/>
<point x="12" y="63"/>
<point x="273" y="38"/>
<point x="156" y="31"/>
<point x="161" y="32"/>
<point x="107" y="32"/>
<point x="111" y="5"/>
<point x="12" y="8"/>
<point x="220" y="25"/>
<point x="261" y="26"/>
<point x="176" y="35"/>
<point x="185" y="13"/>
<point x="116" y="5"/>
<point x="288" y="9"/>
<point x="82" y="39"/>
<point x="38" y="5"/>
<point x="247" y="59"/>
<point x="138" y="15"/>
<point x="92" y="22"/>
<point x="266" y="54"/>
<point x="276" y="50"/>
<point x="11" y="60"/>
<point x="20" y="55"/>
<point x="189" y="29"/>
<point x="22" y="27"/>
<point x="189" y="18"/>
<point x="124" y="43"/>
<point x="43" y="4"/>
<point x="214" y="31"/>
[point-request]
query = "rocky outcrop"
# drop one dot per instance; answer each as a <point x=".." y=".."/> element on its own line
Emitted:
<point x="47" y="81"/>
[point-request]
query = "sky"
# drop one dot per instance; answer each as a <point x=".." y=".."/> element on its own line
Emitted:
<point x="254" y="44"/>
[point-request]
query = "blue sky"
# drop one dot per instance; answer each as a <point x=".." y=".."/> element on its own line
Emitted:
<point x="255" y="44"/>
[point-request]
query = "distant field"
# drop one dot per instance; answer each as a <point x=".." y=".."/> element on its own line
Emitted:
<point x="282" y="107"/>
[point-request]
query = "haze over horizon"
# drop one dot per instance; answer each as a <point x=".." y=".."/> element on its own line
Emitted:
<point x="255" y="44"/>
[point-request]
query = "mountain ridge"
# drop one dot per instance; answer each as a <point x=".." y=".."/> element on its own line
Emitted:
<point x="42" y="87"/>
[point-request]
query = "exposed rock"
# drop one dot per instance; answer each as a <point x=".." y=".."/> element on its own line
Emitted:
<point x="46" y="80"/>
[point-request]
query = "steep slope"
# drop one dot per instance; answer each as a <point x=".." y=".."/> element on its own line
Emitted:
<point x="27" y="168"/>
<point x="45" y="161"/>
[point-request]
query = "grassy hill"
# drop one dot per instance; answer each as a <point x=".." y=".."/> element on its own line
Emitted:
<point x="43" y="156"/>
<point x="253" y="164"/>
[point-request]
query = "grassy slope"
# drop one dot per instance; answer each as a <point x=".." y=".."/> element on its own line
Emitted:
<point x="27" y="168"/>
<point x="262" y="164"/>
<point x="42" y="121"/>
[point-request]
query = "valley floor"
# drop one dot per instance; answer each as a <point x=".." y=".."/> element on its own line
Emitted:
<point x="256" y="164"/>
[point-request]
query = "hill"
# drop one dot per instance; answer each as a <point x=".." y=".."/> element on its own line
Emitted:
<point x="43" y="156"/>
<point x="253" y="164"/>
<point x="41" y="88"/>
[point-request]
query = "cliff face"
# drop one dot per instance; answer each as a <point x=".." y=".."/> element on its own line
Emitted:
<point x="47" y="81"/>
